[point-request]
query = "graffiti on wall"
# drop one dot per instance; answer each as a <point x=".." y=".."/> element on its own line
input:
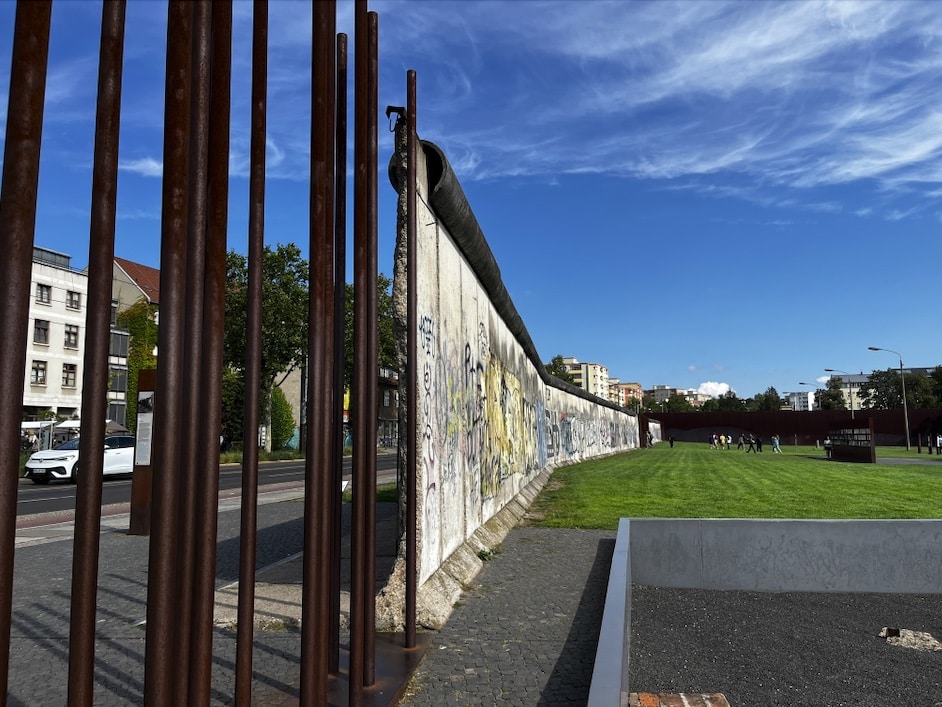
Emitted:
<point x="479" y="417"/>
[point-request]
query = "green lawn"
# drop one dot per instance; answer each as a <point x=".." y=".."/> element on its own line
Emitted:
<point x="693" y="481"/>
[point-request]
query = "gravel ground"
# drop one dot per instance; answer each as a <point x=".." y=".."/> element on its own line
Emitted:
<point x="767" y="649"/>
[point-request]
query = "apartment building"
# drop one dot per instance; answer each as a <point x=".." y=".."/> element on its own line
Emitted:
<point x="799" y="402"/>
<point x="53" y="376"/>
<point x="592" y="377"/>
<point x="625" y="394"/>
<point x="55" y="356"/>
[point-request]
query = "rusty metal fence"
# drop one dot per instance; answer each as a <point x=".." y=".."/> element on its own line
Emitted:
<point x="180" y="588"/>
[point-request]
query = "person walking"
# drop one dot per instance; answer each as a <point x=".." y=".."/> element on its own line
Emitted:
<point x="758" y="443"/>
<point x="742" y="441"/>
<point x="752" y="444"/>
<point x="776" y="445"/>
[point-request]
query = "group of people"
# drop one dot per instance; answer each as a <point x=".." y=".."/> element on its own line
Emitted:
<point x="754" y="441"/>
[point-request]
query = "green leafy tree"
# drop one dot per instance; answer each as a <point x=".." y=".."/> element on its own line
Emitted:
<point x="282" y="420"/>
<point x="678" y="403"/>
<point x="882" y="391"/>
<point x="233" y="408"/>
<point x="557" y="368"/>
<point x="919" y="391"/>
<point x="140" y="321"/>
<point x="729" y="402"/>
<point x="284" y="317"/>
<point x="769" y="400"/>
<point x="385" y="338"/>
<point x="936" y="379"/>
<point x="648" y="403"/>
<point x="830" y="397"/>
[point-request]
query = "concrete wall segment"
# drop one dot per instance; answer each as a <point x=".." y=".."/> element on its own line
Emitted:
<point x="786" y="555"/>
<point x="490" y="419"/>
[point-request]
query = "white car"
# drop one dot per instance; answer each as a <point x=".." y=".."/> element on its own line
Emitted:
<point x="61" y="463"/>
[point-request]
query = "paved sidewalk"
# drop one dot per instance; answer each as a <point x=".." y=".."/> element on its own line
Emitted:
<point x="526" y="633"/>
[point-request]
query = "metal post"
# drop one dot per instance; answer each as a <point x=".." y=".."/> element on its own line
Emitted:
<point x="340" y="292"/>
<point x="206" y="471"/>
<point x="17" y="224"/>
<point x="363" y="544"/>
<point x="253" y="356"/>
<point x="194" y="274"/>
<point x="315" y="605"/>
<point x="903" y="383"/>
<point x="162" y="617"/>
<point x="411" y="360"/>
<point x="95" y="371"/>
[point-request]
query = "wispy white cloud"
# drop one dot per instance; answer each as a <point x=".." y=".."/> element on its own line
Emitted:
<point x="791" y="96"/>
<point x="144" y="166"/>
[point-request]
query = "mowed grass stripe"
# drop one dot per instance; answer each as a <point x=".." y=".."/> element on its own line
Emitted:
<point x="693" y="481"/>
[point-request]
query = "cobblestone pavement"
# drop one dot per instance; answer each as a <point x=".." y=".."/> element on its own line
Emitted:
<point x="526" y="633"/>
<point x="40" y="619"/>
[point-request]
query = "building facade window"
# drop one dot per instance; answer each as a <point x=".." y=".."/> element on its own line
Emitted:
<point x="37" y="375"/>
<point x="73" y="300"/>
<point x="44" y="293"/>
<point x="41" y="331"/>
<point x="69" y="373"/>
<point x="71" y="336"/>
<point x="118" y="380"/>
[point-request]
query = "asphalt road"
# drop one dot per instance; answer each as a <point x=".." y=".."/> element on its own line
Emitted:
<point x="32" y="499"/>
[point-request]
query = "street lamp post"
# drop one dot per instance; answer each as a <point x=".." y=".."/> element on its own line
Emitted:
<point x="815" y="386"/>
<point x="849" y="387"/>
<point x="903" y="381"/>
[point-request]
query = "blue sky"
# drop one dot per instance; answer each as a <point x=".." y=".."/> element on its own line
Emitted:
<point x="695" y="194"/>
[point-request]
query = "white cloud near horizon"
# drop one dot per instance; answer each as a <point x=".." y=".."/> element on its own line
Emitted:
<point x="713" y="389"/>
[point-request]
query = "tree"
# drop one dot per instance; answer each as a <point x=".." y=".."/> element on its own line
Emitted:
<point x="919" y="391"/>
<point x="729" y="402"/>
<point x="284" y="317"/>
<point x="769" y="400"/>
<point x="936" y="379"/>
<point x="385" y="339"/>
<point x="282" y="419"/>
<point x="883" y="390"/>
<point x="677" y="403"/>
<point x="233" y="408"/>
<point x="557" y="368"/>
<point x="140" y="322"/>
<point x="831" y="397"/>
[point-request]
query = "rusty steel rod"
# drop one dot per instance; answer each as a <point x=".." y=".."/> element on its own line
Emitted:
<point x="253" y="356"/>
<point x="412" y="340"/>
<point x="192" y="341"/>
<point x="372" y="368"/>
<point x="85" y="555"/>
<point x="363" y="589"/>
<point x="162" y="618"/>
<point x="213" y="315"/>
<point x="315" y="604"/>
<point x="17" y="224"/>
<point x="340" y="267"/>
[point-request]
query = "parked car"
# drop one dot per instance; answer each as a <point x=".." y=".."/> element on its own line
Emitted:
<point x="62" y="463"/>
